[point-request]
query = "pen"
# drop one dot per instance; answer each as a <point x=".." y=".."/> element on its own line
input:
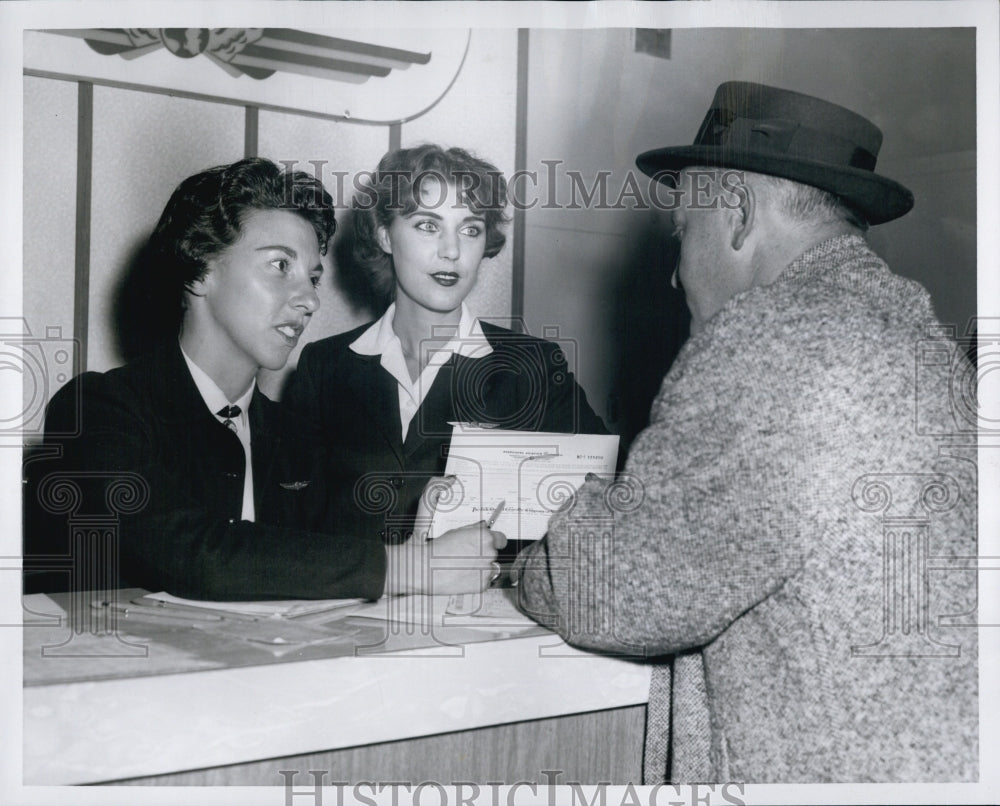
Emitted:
<point x="191" y="611"/>
<point x="143" y="611"/>
<point x="496" y="514"/>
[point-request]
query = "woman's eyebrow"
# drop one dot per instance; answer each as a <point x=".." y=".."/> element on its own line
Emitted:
<point x="429" y="213"/>
<point x="286" y="249"/>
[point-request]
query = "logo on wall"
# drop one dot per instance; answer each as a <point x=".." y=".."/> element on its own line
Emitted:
<point x="277" y="67"/>
<point x="259" y="52"/>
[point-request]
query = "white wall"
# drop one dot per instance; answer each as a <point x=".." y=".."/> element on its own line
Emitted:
<point x="49" y="236"/>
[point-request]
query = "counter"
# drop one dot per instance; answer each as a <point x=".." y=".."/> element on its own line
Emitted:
<point x="446" y="702"/>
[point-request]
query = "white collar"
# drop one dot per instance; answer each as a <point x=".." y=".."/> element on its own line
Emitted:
<point x="210" y="392"/>
<point x="469" y="341"/>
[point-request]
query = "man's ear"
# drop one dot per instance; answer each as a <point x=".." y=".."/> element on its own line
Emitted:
<point x="739" y="197"/>
<point x="384" y="240"/>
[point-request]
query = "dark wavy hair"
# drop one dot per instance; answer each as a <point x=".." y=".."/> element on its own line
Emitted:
<point x="205" y="214"/>
<point x="394" y="190"/>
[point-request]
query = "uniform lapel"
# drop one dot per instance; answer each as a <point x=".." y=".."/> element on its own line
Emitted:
<point x="178" y="399"/>
<point x="377" y="397"/>
<point x="438" y="409"/>
<point x="264" y="441"/>
<point x="474" y="388"/>
<point x="189" y="425"/>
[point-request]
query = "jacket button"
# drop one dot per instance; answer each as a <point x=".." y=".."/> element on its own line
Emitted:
<point x="397" y="482"/>
<point x="381" y="534"/>
<point x="232" y="475"/>
<point x="232" y="520"/>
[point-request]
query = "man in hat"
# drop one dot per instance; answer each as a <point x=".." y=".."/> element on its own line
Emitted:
<point x="781" y="538"/>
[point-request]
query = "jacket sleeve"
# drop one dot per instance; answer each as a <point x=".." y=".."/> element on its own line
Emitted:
<point x="696" y="531"/>
<point x="165" y="539"/>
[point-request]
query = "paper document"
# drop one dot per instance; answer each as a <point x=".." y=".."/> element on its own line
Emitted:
<point x="494" y="606"/>
<point x="533" y="473"/>
<point x="285" y="608"/>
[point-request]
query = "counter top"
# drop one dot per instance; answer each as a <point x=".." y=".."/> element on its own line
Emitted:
<point x="99" y="717"/>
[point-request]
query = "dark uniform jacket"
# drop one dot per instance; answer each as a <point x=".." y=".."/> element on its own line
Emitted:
<point x="136" y="452"/>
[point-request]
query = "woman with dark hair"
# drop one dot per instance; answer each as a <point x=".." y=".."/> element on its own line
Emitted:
<point x="215" y="491"/>
<point x="386" y="395"/>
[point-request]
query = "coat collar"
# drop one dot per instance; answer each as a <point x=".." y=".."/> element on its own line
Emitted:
<point x="379" y="337"/>
<point x="437" y="408"/>
<point x="374" y="389"/>
<point x="175" y="395"/>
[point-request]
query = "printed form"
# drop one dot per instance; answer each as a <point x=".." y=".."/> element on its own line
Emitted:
<point x="532" y="473"/>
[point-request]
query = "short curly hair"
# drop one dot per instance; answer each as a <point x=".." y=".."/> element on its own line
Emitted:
<point x="394" y="190"/>
<point x="205" y="214"/>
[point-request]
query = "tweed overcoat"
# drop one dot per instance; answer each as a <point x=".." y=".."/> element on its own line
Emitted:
<point x="789" y="534"/>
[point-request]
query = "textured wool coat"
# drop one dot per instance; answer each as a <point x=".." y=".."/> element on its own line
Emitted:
<point x="792" y="528"/>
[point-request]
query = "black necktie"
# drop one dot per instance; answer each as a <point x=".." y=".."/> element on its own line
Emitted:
<point x="229" y="412"/>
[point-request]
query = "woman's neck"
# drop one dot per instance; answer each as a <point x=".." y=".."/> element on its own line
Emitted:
<point x="232" y="375"/>
<point x="421" y="332"/>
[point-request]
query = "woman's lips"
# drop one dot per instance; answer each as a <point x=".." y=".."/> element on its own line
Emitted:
<point x="445" y="278"/>
<point x="290" y="332"/>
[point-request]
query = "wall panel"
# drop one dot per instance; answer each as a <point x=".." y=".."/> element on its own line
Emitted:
<point x="341" y="148"/>
<point x="144" y="145"/>
<point x="935" y="243"/>
<point x="479" y="114"/>
<point x="49" y="224"/>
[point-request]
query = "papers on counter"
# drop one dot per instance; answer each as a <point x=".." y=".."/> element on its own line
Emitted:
<point x="267" y="624"/>
<point x="494" y="606"/>
<point x="533" y="472"/>
<point x="285" y="608"/>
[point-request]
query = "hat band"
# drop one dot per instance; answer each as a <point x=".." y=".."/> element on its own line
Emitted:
<point x="782" y="137"/>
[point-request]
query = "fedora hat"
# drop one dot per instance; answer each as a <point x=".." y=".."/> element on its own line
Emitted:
<point x="773" y="131"/>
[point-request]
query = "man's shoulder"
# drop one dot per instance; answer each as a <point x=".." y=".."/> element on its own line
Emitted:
<point x="845" y="279"/>
<point x="810" y="308"/>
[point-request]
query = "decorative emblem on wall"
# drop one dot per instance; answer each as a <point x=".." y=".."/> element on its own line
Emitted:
<point x="372" y="75"/>
<point x="257" y="52"/>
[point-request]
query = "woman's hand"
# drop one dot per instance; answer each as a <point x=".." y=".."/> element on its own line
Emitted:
<point x="461" y="560"/>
